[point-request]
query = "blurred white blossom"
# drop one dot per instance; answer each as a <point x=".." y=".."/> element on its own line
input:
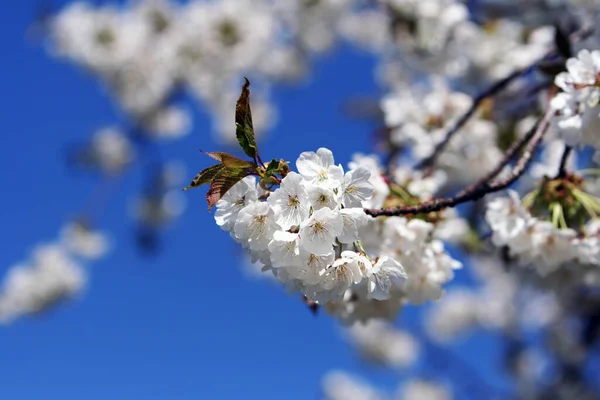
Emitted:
<point x="338" y="385"/>
<point x="50" y="276"/>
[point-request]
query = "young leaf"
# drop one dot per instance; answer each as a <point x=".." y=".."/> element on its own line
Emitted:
<point x="230" y="161"/>
<point x="205" y="176"/>
<point x="244" y="130"/>
<point x="222" y="182"/>
<point x="272" y="167"/>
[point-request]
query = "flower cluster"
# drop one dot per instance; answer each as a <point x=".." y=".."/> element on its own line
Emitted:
<point x="378" y="342"/>
<point x="339" y="385"/>
<point x="419" y="120"/>
<point x="52" y="274"/>
<point x="412" y="242"/>
<point x="545" y="245"/>
<point x="109" y="151"/>
<point x="500" y="302"/>
<point x="148" y="52"/>
<point x="307" y="230"/>
<point x="313" y="234"/>
<point x="441" y="39"/>
<point x="576" y="112"/>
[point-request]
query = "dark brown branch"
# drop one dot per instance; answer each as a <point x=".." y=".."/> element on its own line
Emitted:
<point x="562" y="169"/>
<point x="511" y="153"/>
<point x="475" y="192"/>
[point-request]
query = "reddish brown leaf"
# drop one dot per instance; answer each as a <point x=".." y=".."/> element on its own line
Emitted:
<point x="204" y="176"/>
<point x="229" y="161"/>
<point x="222" y="182"/>
<point x="244" y="130"/>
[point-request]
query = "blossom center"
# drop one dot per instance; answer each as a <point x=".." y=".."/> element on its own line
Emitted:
<point x="322" y="175"/>
<point x="293" y="201"/>
<point x="318" y="227"/>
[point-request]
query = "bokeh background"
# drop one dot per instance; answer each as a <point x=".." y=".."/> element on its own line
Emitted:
<point x="186" y="320"/>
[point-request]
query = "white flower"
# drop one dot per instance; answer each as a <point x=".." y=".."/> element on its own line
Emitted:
<point x="453" y="315"/>
<point x="440" y="262"/>
<point x="364" y="264"/>
<point x="425" y="187"/>
<point x="566" y="119"/>
<point x="366" y="29"/>
<point x="423" y="390"/>
<point x="102" y="39"/>
<point x="510" y="222"/>
<point x="170" y="122"/>
<point x="576" y="114"/>
<point x="338" y="385"/>
<point x="353" y="219"/>
<point x="553" y="246"/>
<point x="239" y="32"/>
<point x="381" y="342"/>
<point x="312" y="267"/>
<point x="387" y="273"/>
<point x="318" y="168"/>
<point x="452" y="228"/>
<point x="381" y="189"/>
<point x="262" y="256"/>
<point x="338" y="278"/>
<point x="290" y="201"/>
<point x="111" y="150"/>
<point x="318" y="233"/>
<point x="81" y="240"/>
<point x="356" y="188"/>
<point x="239" y="196"/>
<point x="406" y="236"/>
<point x="320" y="197"/>
<point x="428" y="266"/>
<point x="581" y="71"/>
<point x="284" y="249"/>
<point x="256" y="225"/>
<point x="588" y="247"/>
<point x="423" y="284"/>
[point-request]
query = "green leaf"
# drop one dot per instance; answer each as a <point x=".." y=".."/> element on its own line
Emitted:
<point x="230" y="161"/>
<point x="205" y="176"/>
<point x="244" y="130"/>
<point x="272" y="168"/>
<point x="222" y="182"/>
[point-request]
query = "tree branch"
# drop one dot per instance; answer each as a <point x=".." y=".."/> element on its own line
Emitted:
<point x="480" y="189"/>
<point x="513" y="150"/>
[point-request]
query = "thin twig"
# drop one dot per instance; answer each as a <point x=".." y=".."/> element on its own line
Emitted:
<point x="562" y="169"/>
<point x="489" y="92"/>
<point x="514" y="149"/>
<point x="477" y="192"/>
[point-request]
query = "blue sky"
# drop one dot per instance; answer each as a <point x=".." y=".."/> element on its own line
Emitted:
<point x="185" y="324"/>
